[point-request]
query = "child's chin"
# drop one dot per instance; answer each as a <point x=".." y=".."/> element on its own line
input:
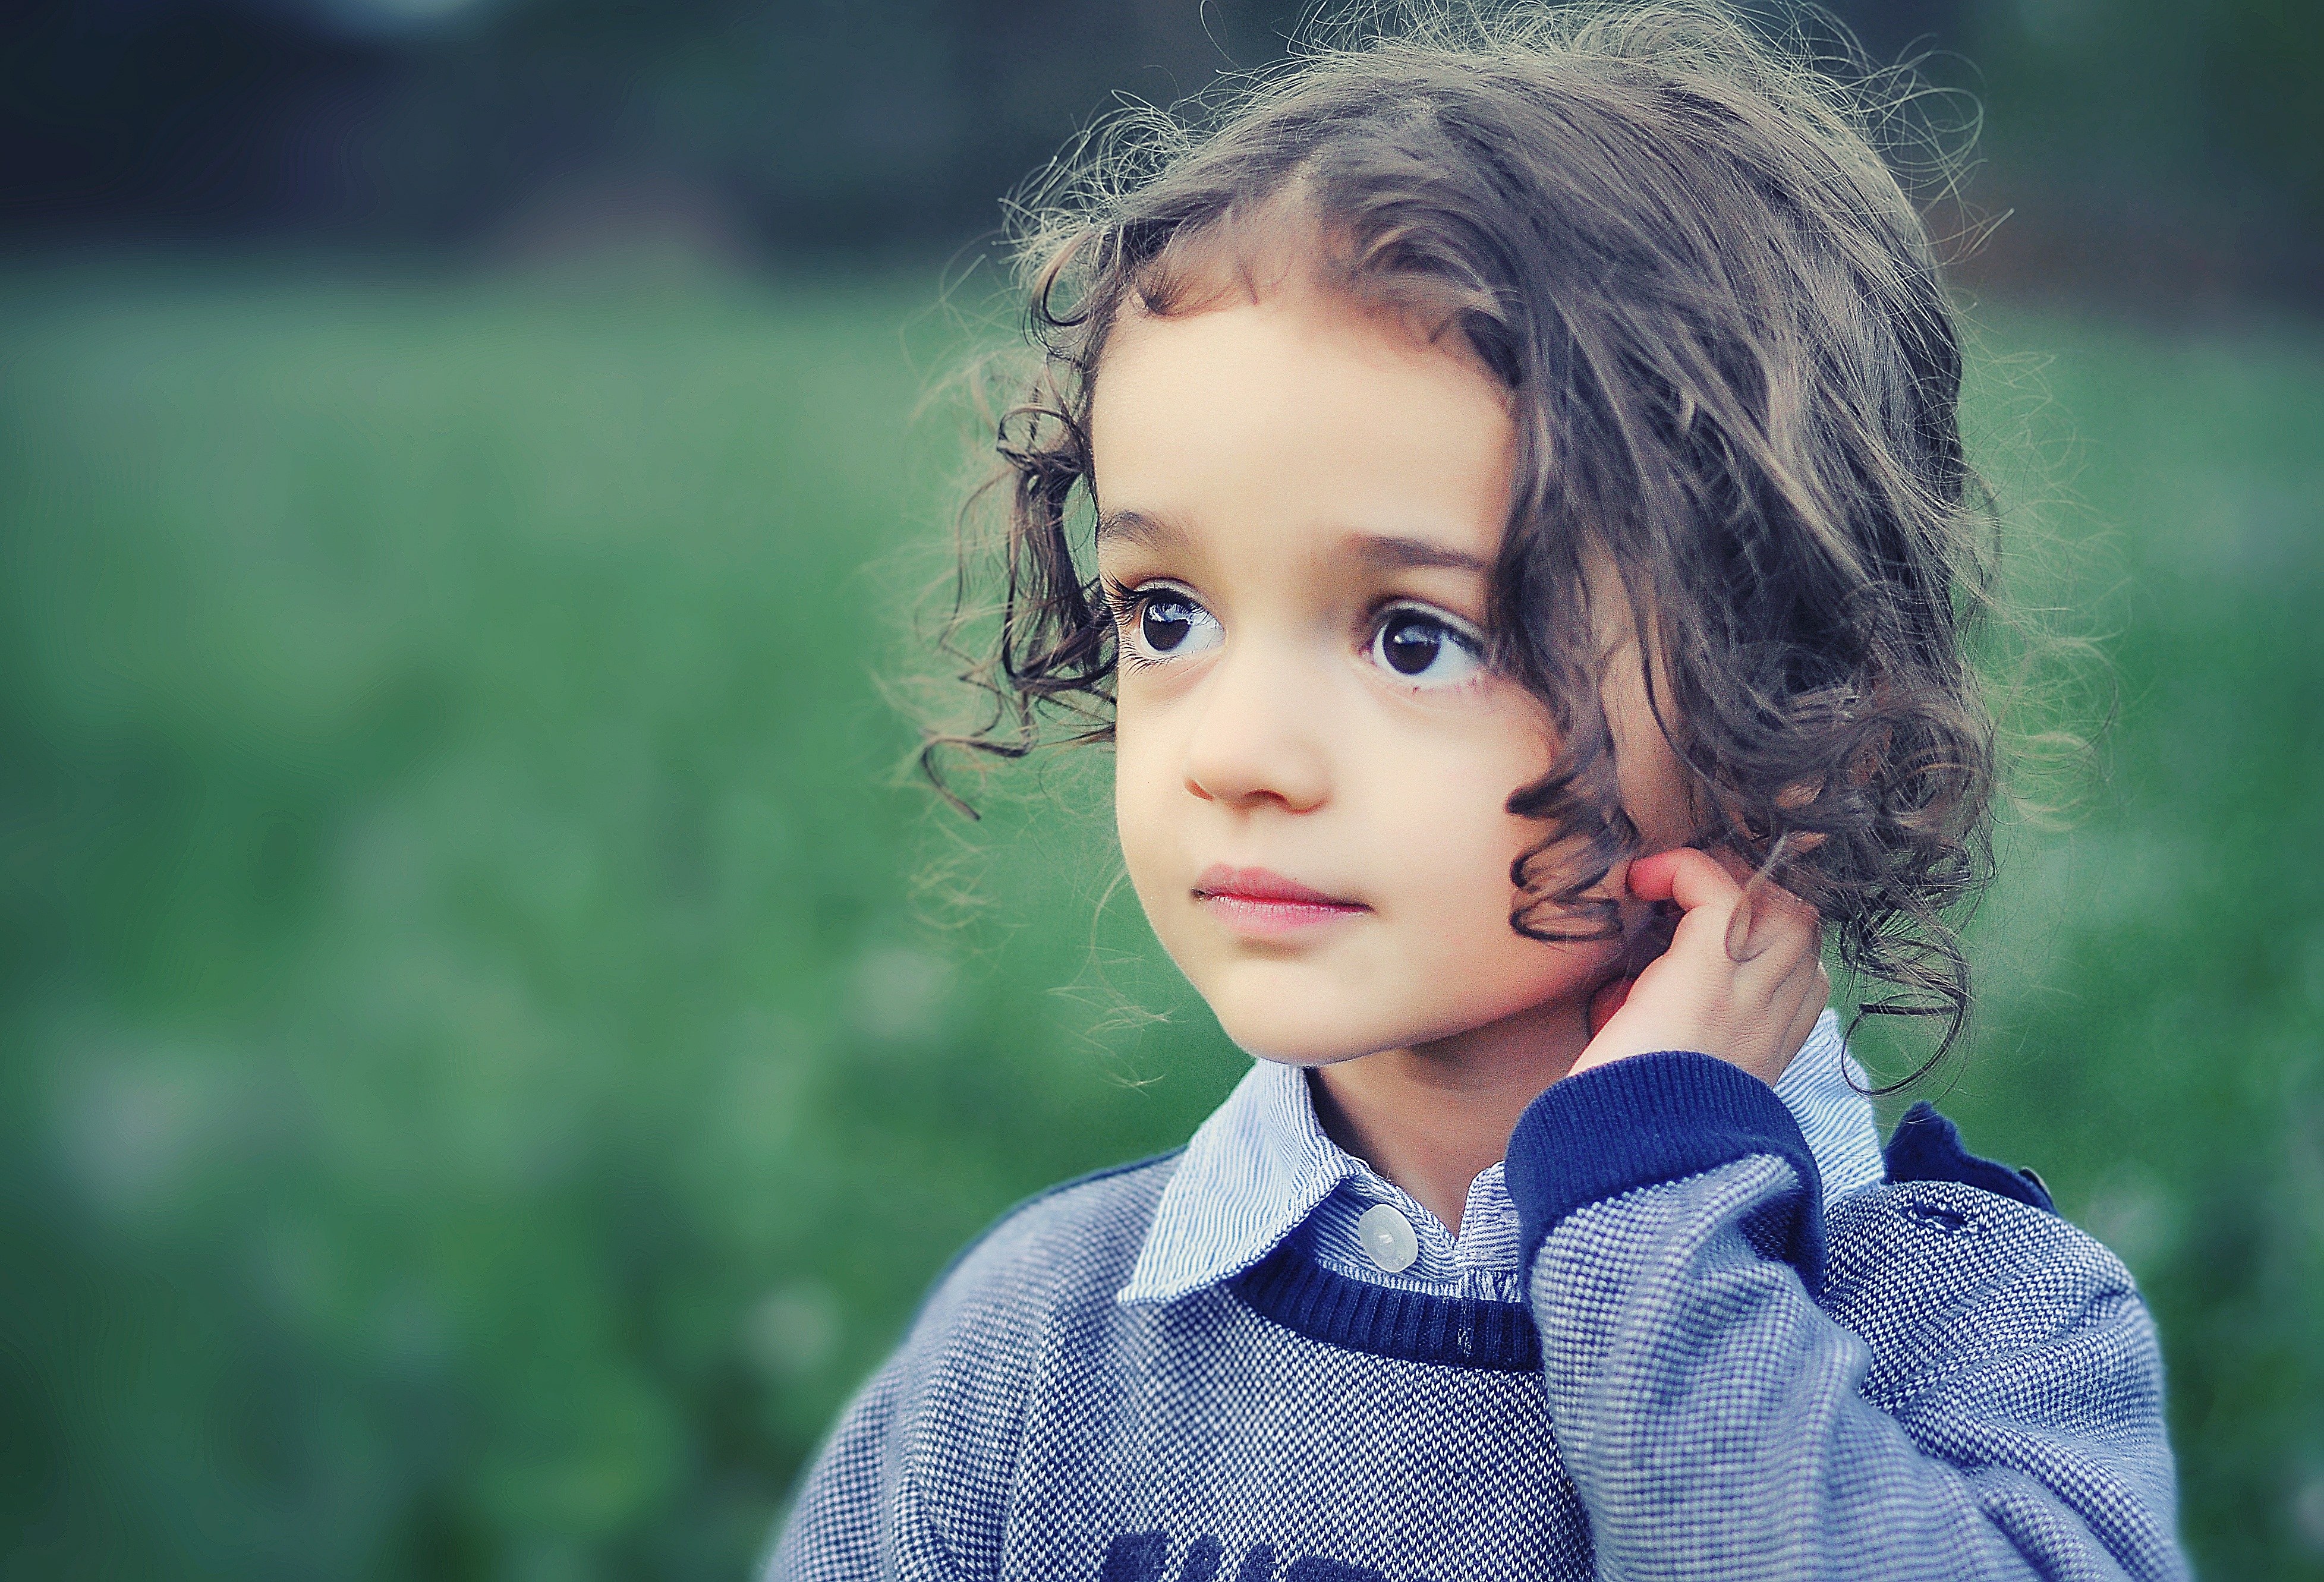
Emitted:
<point x="1295" y="1042"/>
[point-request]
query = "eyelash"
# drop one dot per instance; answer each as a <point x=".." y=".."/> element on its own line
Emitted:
<point x="1125" y="605"/>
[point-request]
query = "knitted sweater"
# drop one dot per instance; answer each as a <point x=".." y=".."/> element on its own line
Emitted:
<point x="1709" y="1381"/>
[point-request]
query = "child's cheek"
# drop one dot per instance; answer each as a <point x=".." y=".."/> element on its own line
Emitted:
<point x="1142" y="823"/>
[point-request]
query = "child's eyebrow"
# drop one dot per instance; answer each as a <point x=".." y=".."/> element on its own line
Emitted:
<point x="1395" y="552"/>
<point x="1136" y="528"/>
<point x="1377" y="551"/>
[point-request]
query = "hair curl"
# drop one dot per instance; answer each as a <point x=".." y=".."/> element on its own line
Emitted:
<point x="1733" y="375"/>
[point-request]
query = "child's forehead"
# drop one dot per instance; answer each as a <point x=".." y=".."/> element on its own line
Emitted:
<point x="1301" y="364"/>
<point x="1298" y="380"/>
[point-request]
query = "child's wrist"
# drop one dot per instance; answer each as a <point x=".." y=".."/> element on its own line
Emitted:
<point x="1645" y="1119"/>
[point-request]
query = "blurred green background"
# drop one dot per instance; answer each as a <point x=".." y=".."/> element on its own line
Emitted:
<point x="482" y="1074"/>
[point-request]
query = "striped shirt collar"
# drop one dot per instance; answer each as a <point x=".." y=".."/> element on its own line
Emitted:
<point x="1260" y="1166"/>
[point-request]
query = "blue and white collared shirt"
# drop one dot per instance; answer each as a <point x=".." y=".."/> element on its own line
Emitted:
<point x="1260" y="1171"/>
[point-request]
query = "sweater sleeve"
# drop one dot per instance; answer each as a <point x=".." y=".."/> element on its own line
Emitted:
<point x="834" y="1530"/>
<point x="911" y="1485"/>
<point x="888" y="1498"/>
<point x="1719" y="1422"/>
<point x="914" y="1484"/>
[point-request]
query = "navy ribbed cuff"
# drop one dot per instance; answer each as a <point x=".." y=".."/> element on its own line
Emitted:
<point x="1653" y="1118"/>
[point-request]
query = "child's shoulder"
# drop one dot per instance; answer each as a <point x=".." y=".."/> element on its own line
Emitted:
<point x="1953" y="1287"/>
<point x="1953" y="1242"/>
<point x="1073" y="1242"/>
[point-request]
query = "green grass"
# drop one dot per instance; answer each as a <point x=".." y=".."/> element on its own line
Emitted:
<point x="475" y="1096"/>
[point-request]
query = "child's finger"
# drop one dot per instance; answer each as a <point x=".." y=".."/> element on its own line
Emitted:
<point x="1753" y="904"/>
<point x="1738" y="928"/>
<point x="1802" y="1022"/>
<point x="1755" y="1014"/>
<point x="1765" y="914"/>
<point x="1684" y="876"/>
<point x="1758" y="907"/>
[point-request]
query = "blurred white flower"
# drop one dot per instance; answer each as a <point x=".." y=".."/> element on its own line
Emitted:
<point x="897" y="993"/>
<point x="2134" y="1213"/>
<point x="2308" y="1512"/>
<point x="792" y="1330"/>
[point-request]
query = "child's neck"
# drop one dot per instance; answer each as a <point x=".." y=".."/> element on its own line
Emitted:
<point x="1431" y="1119"/>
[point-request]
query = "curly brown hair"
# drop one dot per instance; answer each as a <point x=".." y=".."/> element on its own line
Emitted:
<point x="1734" y="373"/>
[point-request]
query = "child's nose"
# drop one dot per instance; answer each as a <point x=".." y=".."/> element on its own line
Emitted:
<point x="1260" y="735"/>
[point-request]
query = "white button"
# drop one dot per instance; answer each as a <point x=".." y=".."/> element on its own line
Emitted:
<point x="1387" y="1238"/>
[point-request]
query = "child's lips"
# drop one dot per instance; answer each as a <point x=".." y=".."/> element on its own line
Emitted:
<point x="1254" y="900"/>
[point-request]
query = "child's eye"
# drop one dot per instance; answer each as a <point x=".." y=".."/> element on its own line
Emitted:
<point x="1424" y="650"/>
<point x="1165" y="624"/>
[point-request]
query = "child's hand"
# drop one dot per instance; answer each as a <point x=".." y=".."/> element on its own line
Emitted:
<point x="1741" y="979"/>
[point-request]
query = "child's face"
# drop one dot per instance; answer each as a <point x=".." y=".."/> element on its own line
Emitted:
<point x="1302" y="503"/>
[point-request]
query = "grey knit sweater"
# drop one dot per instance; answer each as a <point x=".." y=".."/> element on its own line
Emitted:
<point x="1710" y="1381"/>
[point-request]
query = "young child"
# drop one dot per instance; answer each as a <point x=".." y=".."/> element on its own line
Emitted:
<point x="1501" y="498"/>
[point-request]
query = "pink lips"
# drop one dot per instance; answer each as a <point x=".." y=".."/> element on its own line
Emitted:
<point x="1253" y="900"/>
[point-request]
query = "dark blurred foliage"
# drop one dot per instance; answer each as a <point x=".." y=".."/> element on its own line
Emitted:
<point x="2161" y="145"/>
<point x="828" y="122"/>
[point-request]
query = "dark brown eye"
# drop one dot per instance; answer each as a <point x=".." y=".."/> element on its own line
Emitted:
<point x="1165" y="623"/>
<point x="1425" y="649"/>
<point x="1168" y="624"/>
